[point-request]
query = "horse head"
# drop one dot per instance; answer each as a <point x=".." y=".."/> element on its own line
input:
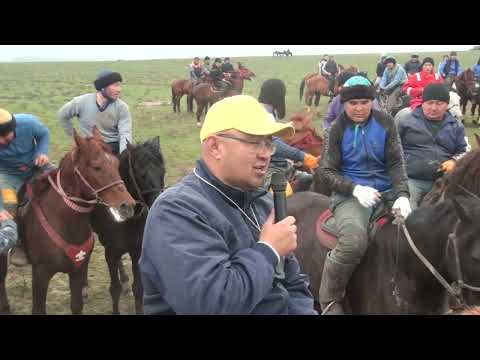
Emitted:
<point x="245" y="73"/>
<point x="464" y="247"/>
<point x="143" y="168"/>
<point x="95" y="169"/>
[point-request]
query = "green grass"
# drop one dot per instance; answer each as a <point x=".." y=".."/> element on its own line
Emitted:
<point x="42" y="88"/>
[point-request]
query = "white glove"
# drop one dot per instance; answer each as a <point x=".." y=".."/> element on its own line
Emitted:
<point x="403" y="204"/>
<point x="366" y="195"/>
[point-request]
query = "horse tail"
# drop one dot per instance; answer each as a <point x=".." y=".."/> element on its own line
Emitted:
<point x="302" y="87"/>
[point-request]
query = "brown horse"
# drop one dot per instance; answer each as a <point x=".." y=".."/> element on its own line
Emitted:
<point x="205" y="95"/>
<point x="468" y="91"/>
<point x="308" y="140"/>
<point x="182" y="87"/>
<point x="56" y="227"/>
<point x="317" y="85"/>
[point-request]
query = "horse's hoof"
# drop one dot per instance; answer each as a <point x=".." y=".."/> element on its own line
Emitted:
<point x="85" y="292"/>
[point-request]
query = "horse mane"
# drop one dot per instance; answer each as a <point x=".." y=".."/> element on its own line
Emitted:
<point x="466" y="174"/>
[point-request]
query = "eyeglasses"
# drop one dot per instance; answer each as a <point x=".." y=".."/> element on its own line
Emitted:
<point x="257" y="146"/>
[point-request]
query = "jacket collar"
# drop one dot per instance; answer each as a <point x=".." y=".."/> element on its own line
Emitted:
<point x="243" y="198"/>
<point x="448" y="118"/>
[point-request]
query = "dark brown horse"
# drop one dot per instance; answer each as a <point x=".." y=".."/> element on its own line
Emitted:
<point x="55" y="224"/>
<point x="391" y="278"/>
<point x="182" y="87"/>
<point x="468" y="90"/>
<point x="205" y="95"/>
<point x="465" y="178"/>
<point x="142" y="168"/>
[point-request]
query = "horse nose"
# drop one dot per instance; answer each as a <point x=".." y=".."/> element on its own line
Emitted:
<point x="126" y="210"/>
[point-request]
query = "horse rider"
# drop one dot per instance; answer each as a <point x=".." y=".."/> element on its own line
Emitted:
<point x="393" y="78"/>
<point x="24" y="142"/>
<point x="102" y="108"/>
<point x="362" y="159"/>
<point x="476" y="70"/>
<point x="206" y="65"/>
<point x="331" y="69"/>
<point x="218" y="77"/>
<point x="211" y="245"/>
<point x="380" y="70"/>
<point x="451" y="68"/>
<point x="335" y="108"/>
<point x="432" y="140"/>
<point x="321" y="66"/>
<point x="272" y="97"/>
<point x="196" y="71"/>
<point x="227" y="67"/>
<point x="417" y="82"/>
<point x="413" y="65"/>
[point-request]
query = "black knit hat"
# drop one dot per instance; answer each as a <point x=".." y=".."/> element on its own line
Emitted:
<point x="436" y="92"/>
<point x="105" y="78"/>
<point x="273" y="93"/>
<point x="428" y="60"/>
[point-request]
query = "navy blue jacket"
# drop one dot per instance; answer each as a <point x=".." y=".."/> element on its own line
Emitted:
<point x="424" y="152"/>
<point x="201" y="256"/>
<point x="368" y="154"/>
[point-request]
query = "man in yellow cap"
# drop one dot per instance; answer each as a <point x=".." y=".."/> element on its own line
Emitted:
<point x="210" y="244"/>
<point x="24" y="144"/>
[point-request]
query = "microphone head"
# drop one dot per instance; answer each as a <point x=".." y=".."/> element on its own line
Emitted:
<point x="278" y="183"/>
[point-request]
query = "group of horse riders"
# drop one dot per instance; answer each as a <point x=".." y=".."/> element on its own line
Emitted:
<point x="366" y="157"/>
<point x="24" y="146"/>
<point x="218" y="73"/>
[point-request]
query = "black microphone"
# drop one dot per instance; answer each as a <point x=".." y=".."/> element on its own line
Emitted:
<point x="279" y="184"/>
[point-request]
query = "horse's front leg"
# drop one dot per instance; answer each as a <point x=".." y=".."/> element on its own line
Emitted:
<point x="41" y="276"/>
<point x="113" y="260"/>
<point x="77" y="279"/>
<point x="137" y="286"/>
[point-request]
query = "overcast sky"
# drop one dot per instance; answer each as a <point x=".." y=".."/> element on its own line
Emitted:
<point x="140" y="52"/>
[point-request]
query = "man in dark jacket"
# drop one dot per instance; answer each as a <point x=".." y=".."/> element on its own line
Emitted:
<point x="362" y="158"/>
<point x="217" y="76"/>
<point x="227" y="67"/>
<point x="413" y="65"/>
<point x="210" y="244"/>
<point x="432" y="140"/>
<point x="380" y="70"/>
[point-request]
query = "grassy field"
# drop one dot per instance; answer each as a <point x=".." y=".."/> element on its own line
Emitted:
<point x="42" y="88"/>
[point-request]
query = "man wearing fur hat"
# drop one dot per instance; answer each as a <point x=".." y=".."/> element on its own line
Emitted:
<point x="24" y="144"/>
<point x="362" y="159"/>
<point x="432" y="140"/>
<point x="102" y="108"/>
<point x="413" y="65"/>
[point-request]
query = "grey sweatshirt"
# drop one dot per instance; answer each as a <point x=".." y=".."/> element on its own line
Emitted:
<point x="114" y="123"/>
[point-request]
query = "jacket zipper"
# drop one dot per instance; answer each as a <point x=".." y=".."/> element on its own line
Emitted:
<point x="368" y="157"/>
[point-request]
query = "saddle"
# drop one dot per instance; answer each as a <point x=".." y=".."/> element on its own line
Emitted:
<point x="327" y="231"/>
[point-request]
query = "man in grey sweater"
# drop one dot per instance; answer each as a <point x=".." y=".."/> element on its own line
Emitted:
<point x="102" y="108"/>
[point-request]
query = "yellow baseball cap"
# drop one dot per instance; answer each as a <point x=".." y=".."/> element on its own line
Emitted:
<point x="5" y="116"/>
<point x="243" y="113"/>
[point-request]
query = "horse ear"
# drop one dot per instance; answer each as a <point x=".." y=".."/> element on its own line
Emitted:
<point x="79" y="141"/>
<point x="156" y="141"/>
<point x="96" y="133"/>
<point x="461" y="211"/>
<point x="478" y="139"/>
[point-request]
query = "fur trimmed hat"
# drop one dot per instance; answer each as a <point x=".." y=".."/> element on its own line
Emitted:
<point x="106" y="78"/>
